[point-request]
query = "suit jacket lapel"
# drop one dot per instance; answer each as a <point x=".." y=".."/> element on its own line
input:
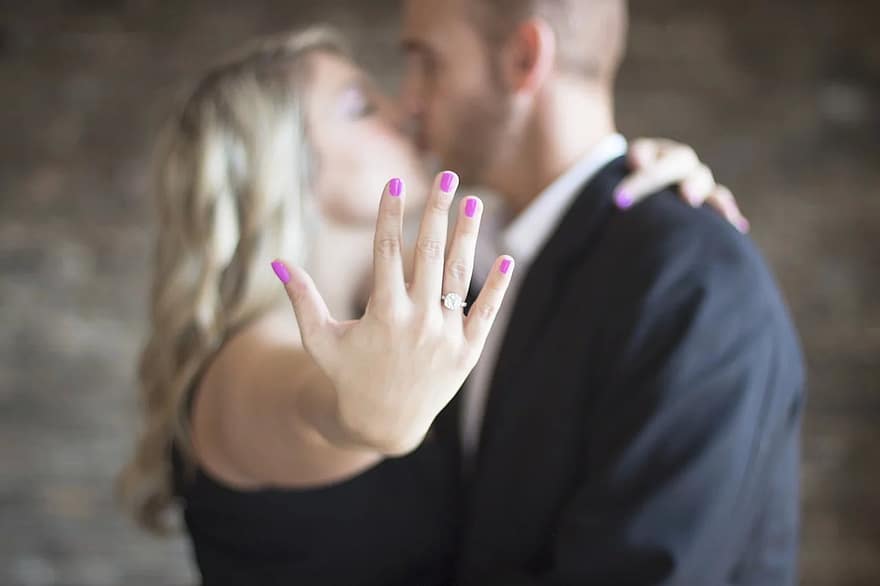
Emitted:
<point x="540" y="291"/>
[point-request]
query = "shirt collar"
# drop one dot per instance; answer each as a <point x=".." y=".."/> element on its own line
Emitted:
<point x="526" y="235"/>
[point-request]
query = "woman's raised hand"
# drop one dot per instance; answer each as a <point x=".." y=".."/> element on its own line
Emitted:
<point x="658" y="163"/>
<point x="398" y="366"/>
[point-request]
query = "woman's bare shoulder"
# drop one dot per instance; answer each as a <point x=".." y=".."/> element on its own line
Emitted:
<point x="238" y="388"/>
<point x="261" y="339"/>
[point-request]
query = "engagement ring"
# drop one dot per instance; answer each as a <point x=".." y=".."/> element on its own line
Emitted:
<point x="453" y="301"/>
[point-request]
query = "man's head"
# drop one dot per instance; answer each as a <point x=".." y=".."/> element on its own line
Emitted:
<point x="477" y="68"/>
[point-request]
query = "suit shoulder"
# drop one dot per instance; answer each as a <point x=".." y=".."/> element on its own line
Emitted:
<point x="664" y="238"/>
<point x="665" y="257"/>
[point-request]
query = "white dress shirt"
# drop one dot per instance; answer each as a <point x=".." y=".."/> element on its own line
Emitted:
<point x="523" y="239"/>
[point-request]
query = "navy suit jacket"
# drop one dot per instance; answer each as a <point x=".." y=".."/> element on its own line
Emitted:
<point x="642" y="426"/>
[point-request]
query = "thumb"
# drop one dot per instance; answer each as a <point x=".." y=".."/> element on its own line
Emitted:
<point x="312" y="314"/>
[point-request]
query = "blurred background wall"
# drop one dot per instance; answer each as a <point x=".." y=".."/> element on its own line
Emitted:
<point x="780" y="98"/>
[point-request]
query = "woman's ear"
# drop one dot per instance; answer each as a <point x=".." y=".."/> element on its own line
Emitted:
<point x="530" y="56"/>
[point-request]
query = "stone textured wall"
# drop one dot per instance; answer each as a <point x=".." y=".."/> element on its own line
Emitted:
<point x="779" y="97"/>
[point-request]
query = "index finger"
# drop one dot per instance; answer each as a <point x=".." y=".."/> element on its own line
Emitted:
<point x="388" y="279"/>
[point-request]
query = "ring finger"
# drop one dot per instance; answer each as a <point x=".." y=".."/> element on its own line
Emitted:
<point x="460" y="260"/>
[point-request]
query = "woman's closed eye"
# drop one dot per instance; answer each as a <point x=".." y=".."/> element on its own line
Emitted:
<point x="356" y="104"/>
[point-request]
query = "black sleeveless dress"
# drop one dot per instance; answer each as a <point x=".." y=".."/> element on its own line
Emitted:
<point x="393" y="525"/>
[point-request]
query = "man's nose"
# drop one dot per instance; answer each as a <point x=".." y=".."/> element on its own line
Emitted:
<point x="410" y="98"/>
<point x="392" y="112"/>
<point x="409" y="109"/>
<point x="399" y="116"/>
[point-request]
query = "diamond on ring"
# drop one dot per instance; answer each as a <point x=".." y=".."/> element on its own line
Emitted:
<point x="453" y="301"/>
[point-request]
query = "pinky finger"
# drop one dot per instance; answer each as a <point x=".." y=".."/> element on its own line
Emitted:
<point x="722" y="200"/>
<point x="482" y="315"/>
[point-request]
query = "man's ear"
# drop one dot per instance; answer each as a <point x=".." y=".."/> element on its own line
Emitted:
<point x="530" y="56"/>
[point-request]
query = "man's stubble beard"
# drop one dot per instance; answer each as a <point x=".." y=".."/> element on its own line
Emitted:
<point x="480" y="128"/>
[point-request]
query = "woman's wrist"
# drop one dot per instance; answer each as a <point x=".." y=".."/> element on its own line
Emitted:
<point x="370" y="429"/>
<point x="319" y="410"/>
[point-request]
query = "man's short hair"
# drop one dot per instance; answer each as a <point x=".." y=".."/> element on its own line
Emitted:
<point x="591" y="34"/>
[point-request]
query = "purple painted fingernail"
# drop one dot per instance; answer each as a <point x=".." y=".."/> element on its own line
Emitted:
<point x="395" y="187"/>
<point x="623" y="199"/>
<point x="446" y="181"/>
<point x="743" y="225"/>
<point x="505" y="266"/>
<point x="470" y="208"/>
<point x="281" y="271"/>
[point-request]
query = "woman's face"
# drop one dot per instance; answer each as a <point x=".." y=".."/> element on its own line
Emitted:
<point x="358" y="142"/>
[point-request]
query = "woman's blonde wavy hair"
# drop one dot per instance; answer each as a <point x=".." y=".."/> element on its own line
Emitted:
<point x="233" y="172"/>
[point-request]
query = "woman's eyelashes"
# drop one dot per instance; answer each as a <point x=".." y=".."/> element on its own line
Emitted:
<point x="356" y="104"/>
